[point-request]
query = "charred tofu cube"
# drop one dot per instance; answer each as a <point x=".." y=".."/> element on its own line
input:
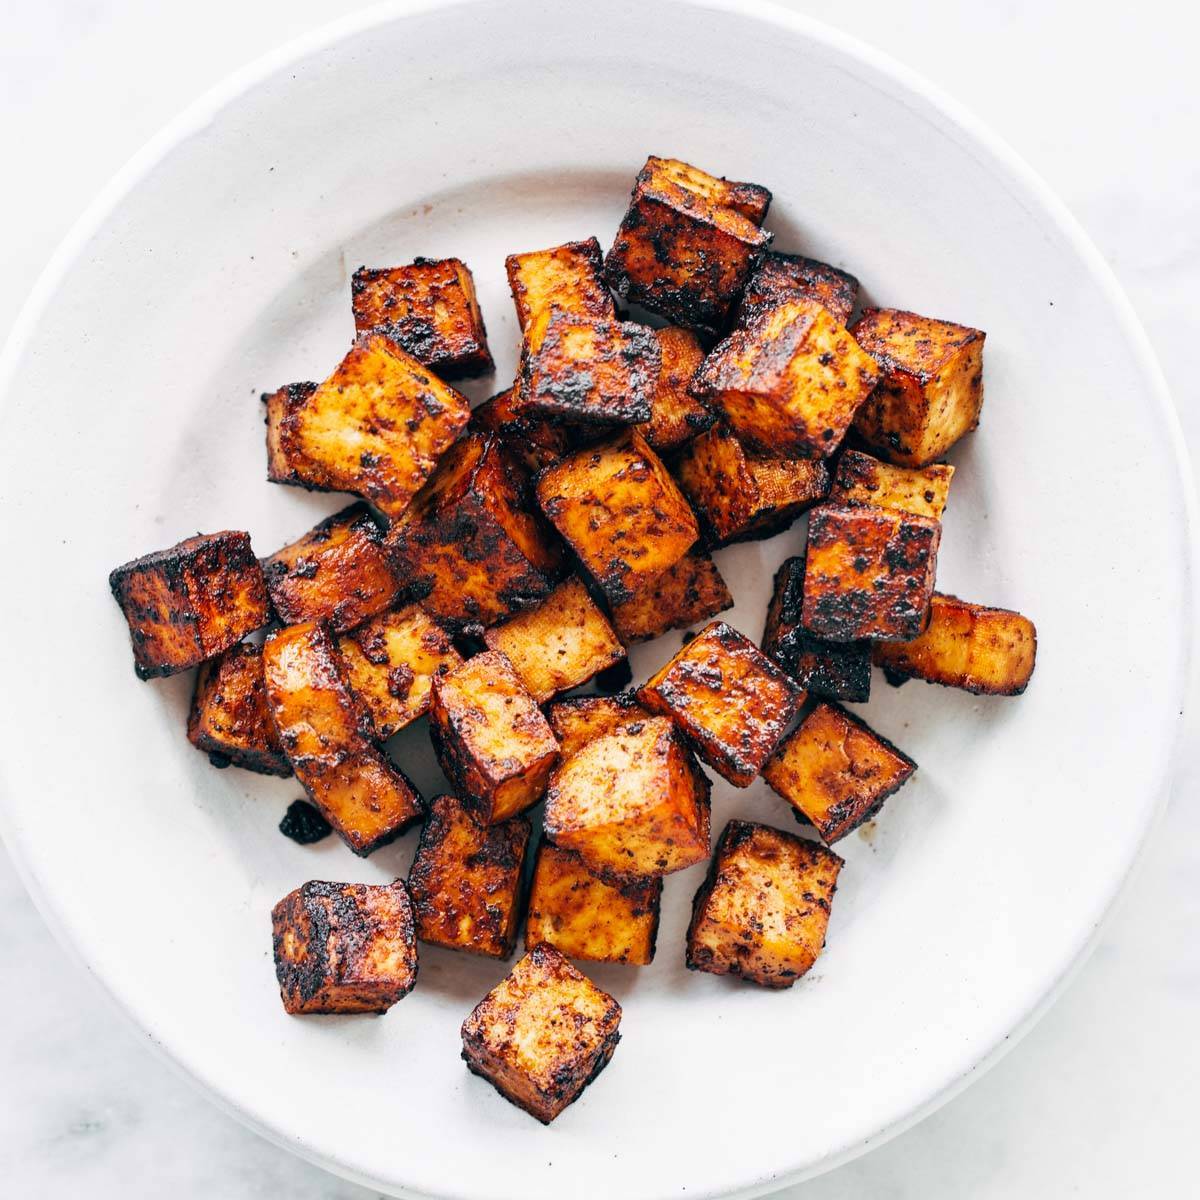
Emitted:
<point x="559" y="645"/>
<point x="588" y="917"/>
<point x="782" y="277"/>
<point x="344" y="947"/>
<point x="328" y="738"/>
<point x="582" y="719"/>
<point x="788" y="383"/>
<point x="621" y="512"/>
<point x="391" y="662"/>
<point x="466" y="880"/>
<point x="687" y="244"/>
<point x="861" y="479"/>
<point x="835" y="772"/>
<point x="731" y="701"/>
<point x="676" y="416"/>
<point x="191" y="602"/>
<point x="536" y="444"/>
<point x="542" y="1034"/>
<point x="632" y="802"/>
<point x="567" y="277"/>
<point x="284" y="463"/>
<point x="987" y="651"/>
<point x="469" y="549"/>
<point x="337" y="572"/>
<point x="930" y="390"/>
<point x="428" y="309"/>
<point x="869" y="573"/>
<point x="685" y="594"/>
<point x="491" y="738"/>
<point x="742" y="496"/>
<point x="229" y="719"/>
<point x="763" y="911"/>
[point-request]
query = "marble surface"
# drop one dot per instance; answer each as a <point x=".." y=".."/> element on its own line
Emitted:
<point x="1100" y="1099"/>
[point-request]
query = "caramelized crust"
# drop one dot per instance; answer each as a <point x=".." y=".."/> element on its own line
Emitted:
<point x="676" y="416"/>
<point x="535" y="444"/>
<point x="861" y="479"/>
<point x="284" y="463"/>
<point x="782" y="277"/>
<point x="566" y="277"/>
<point x="685" y="594"/>
<point x="581" y="719"/>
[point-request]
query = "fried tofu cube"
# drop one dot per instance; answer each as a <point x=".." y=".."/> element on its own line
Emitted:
<point x="685" y="594"/>
<point x="986" y="651"/>
<point x="742" y="496"/>
<point x="687" y="244"/>
<point x="328" y="738"/>
<point x="390" y="664"/>
<point x="559" y="645"/>
<point x="465" y="881"/>
<point x="676" y="416"/>
<point x="930" y="391"/>
<point x="632" y="802"/>
<point x="491" y="738"/>
<point x="869" y="573"/>
<point x="284" y="462"/>
<point x="836" y="772"/>
<point x="428" y="309"/>
<point x="337" y="572"/>
<point x="763" y="910"/>
<point x="567" y="277"/>
<point x="621" y="512"/>
<point x="344" y="947"/>
<point x="731" y="702"/>
<point x="789" y="382"/>
<point x="229" y="718"/>
<point x="587" y="917"/>
<point x="542" y="1034"/>
<point x="536" y="444"/>
<point x="782" y="277"/>
<point x="191" y="602"/>
<point x="861" y="479"/>
<point x="582" y="719"/>
<point x="470" y="549"/>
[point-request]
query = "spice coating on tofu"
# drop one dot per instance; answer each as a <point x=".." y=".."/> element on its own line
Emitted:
<point x="676" y="416"/>
<point x="691" y="591"/>
<point x="861" y="479"/>
<point x="567" y="277"/>
<point x="782" y="277"/>
<point x="535" y="444"/>
<point x="581" y="719"/>
<point x="284" y="463"/>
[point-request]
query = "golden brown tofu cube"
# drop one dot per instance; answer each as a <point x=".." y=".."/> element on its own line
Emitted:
<point x="861" y="479"/>
<point x="337" y="572"/>
<point x="377" y="426"/>
<point x="344" y="947"/>
<point x="229" y="718"/>
<point x="469" y="549"/>
<point x="869" y="573"/>
<point x="566" y="277"/>
<point x="742" y="496"/>
<point x="327" y="736"/>
<point x="763" y="911"/>
<point x="541" y="1035"/>
<point x="466" y="880"/>
<point x="284" y="463"/>
<point x="930" y="390"/>
<point x="390" y="664"/>
<point x="790" y="382"/>
<point x="191" y="602"/>
<point x="631" y="802"/>
<point x="676" y="416"/>
<point x="621" y="512"/>
<point x="731" y="702"/>
<point x="534" y="443"/>
<point x="428" y="309"/>
<point x="687" y="244"/>
<point x="588" y="917"/>
<point x="559" y="645"/>
<point x="491" y="738"/>
<point x="582" y="719"/>
<point x="782" y="277"/>
<point x="987" y="651"/>
<point x="685" y="594"/>
<point x="835" y="772"/>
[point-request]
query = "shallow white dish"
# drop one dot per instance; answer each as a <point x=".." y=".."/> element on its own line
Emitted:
<point x="217" y="266"/>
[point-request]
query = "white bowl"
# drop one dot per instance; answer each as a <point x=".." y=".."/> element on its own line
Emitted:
<point x="217" y="265"/>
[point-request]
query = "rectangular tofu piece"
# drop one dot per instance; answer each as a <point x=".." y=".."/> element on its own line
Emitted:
<point x="465" y="881"/>
<point x="587" y="917"/>
<point x="582" y="719"/>
<point x="763" y="910"/>
<point x="491" y="738"/>
<point x="782" y="277"/>
<point x="731" y="702"/>
<point x="869" y="573"/>
<point x="429" y="309"/>
<point x="327" y="736"/>
<point x="789" y="382"/>
<point x="683" y="595"/>
<point x="861" y="479"/>
<point x="631" y="802"/>
<point x="676" y="416"/>
<point x="229" y="718"/>
<point x="836" y="772"/>
<point x="542" y="1034"/>
<point x="930" y="389"/>
<point x="390" y="663"/>
<point x="534" y="443"/>
<point x="986" y="651"/>
<point x="344" y="947"/>
<point x="191" y="602"/>
<point x="567" y="277"/>
<point x="284" y="462"/>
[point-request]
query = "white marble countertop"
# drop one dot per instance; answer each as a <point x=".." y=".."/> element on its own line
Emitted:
<point x="1100" y="1099"/>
